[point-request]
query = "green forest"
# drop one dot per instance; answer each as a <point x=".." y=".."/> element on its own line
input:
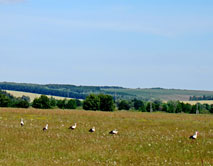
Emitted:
<point x="118" y="93"/>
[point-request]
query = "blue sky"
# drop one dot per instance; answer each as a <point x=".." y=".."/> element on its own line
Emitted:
<point x="139" y="43"/>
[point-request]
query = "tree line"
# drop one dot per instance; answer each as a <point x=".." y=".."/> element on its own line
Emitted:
<point x="55" y="90"/>
<point x="103" y="102"/>
<point x="169" y="106"/>
<point x="7" y="100"/>
<point x="43" y="102"/>
<point x="62" y="90"/>
<point x="204" y="97"/>
<point x="107" y="103"/>
<point x="94" y="102"/>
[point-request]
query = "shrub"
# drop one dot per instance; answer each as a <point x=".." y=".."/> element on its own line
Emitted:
<point x="42" y="102"/>
<point x="106" y="102"/>
<point x="123" y="105"/>
<point x="71" y="104"/>
<point x="92" y="102"/>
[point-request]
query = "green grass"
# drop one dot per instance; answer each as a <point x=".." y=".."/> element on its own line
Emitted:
<point x="143" y="139"/>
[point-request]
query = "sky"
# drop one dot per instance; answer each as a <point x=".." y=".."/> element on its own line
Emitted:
<point x="133" y="44"/>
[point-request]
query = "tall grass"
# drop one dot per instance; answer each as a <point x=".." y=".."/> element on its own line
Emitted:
<point x="143" y="139"/>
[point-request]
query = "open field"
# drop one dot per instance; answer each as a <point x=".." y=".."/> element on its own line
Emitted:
<point x="143" y="139"/>
<point x="32" y="96"/>
<point x="199" y="101"/>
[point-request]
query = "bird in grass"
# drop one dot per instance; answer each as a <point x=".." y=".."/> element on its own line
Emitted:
<point x="22" y="122"/>
<point x="92" y="130"/>
<point x="194" y="136"/>
<point x="73" y="127"/>
<point x="113" y="132"/>
<point x="45" y="128"/>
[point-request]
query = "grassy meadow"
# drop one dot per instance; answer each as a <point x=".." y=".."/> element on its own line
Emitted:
<point x="143" y="138"/>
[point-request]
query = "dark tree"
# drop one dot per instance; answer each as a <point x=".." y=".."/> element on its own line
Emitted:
<point x="71" y="104"/>
<point x="179" y="107"/>
<point x="148" y="107"/>
<point x="172" y="106"/>
<point x="123" y="105"/>
<point x="106" y="102"/>
<point x="5" y="101"/>
<point x="165" y="107"/>
<point x="139" y="105"/>
<point x="61" y="104"/>
<point x="53" y="102"/>
<point x="78" y="103"/>
<point x="42" y="102"/>
<point x="157" y="105"/>
<point x="21" y="104"/>
<point x="92" y="102"/>
<point x="187" y="108"/>
<point x="211" y="109"/>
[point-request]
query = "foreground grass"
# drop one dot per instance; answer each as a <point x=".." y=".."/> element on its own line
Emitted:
<point x="143" y="139"/>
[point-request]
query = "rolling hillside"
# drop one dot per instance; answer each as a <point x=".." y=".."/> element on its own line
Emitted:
<point x="163" y="94"/>
<point x="80" y="92"/>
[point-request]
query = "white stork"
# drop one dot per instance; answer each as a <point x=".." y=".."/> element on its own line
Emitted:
<point x="22" y="122"/>
<point x="194" y="136"/>
<point x="113" y="132"/>
<point x="92" y="129"/>
<point x="45" y="128"/>
<point x="73" y="127"/>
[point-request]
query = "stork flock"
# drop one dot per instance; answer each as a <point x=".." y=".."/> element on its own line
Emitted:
<point x="113" y="132"/>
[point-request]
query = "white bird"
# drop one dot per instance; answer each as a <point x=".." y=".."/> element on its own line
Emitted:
<point x="73" y="127"/>
<point x="194" y="136"/>
<point x="113" y="132"/>
<point x="46" y="127"/>
<point x="22" y="122"/>
<point x="92" y="129"/>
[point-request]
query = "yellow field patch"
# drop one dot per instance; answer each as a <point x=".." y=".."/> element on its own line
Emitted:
<point x="200" y="101"/>
<point x="32" y="96"/>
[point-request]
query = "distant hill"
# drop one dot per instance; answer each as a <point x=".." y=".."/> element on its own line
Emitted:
<point x="62" y="90"/>
<point x="80" y="92"/>
<point x="162" y="94"/>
